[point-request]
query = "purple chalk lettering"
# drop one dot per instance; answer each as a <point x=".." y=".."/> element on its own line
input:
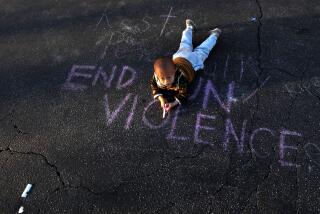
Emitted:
<point x="198" y="127"/>
<point x="134" y="105"/>
<point x="126" y="69"/>
<point x="283" y="147"/>
<point x="146" y="121"/>
<point x="68" y="85"/>
<point x="105" y="79"/>
<point x="226" y="66"/>
<point x="210" y="88"/>
<point x="197" y="90"/>
<point x="110" y="117"/>
<point x="254" y="133"/>
<point x="171" y="135"/>
<point x="242" y="69"/>
<point x="230" y="130"/>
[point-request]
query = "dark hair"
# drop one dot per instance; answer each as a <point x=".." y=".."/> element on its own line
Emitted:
<point x="163" y="62"/>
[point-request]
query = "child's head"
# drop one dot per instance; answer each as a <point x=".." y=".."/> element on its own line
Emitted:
<point x="165" y="70"/>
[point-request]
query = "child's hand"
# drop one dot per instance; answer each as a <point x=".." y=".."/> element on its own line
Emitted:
<point x="166" y="107"/>
<point x="171" y="105"/>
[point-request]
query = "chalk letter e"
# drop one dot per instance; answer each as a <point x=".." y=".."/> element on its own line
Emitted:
<point x="282" y="147"/>
<point x="68" y="85"/>
<point x="198" y="127"/>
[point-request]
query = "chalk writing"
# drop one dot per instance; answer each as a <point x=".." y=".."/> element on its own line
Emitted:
<point x="226" y="67"/>
<point x="256" y="90"/>
<point x="146" y="120"/>
<point x="242" y="69"/>
<point x="68" y="85"/>
<point x="210" y="88"/>
<point x="104" y="16"/>
<point x="253" y="135"/>
<point x="312" y="87"/>
<point x="96" y="75"/>
<point x="130" y="117"/>
<point x="111" y="116"/>
<point x="230" y="130"/>
<point x="283" y="147"/>
<point x="101" y="73"/>
<point x="171" y="135"/>
<point x="313" y="152"/>
<point x="118" y="38"/>
<point x="81" y="77"/>
<point x="165" y="23"/>
<point x="124" y="71"/>
<point x="198" y="127"/>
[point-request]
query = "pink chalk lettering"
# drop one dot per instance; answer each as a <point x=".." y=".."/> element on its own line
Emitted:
<point x="197" y="90"/>
<point x="146" y="121"/>
<point x="131" y="71"/>
<point x="283" y="147"/>
<point x="101" y="73"/>
<point x="230" y="130"/>
<point x="110" y="117"/>
<point x="130" y="117"/>
<point x="171" y="135"/>
<point x="198" y="127"/>
<point x="254" y="133"/>
<point x="68" y="85"/>
<point x="210" y="88"/>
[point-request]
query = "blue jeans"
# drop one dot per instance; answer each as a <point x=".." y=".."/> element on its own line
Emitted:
<point x="198" y="55"/>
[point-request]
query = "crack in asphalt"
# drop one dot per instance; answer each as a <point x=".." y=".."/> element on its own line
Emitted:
<point x="51" y="165"/>
<point x="8" y="149"/>
<point x="253" y="116"/>
<point x="256" y="189"/>
<point x="14" y="125"/>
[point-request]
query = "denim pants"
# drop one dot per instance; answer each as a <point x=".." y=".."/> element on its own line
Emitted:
<point x="198" y="55"/>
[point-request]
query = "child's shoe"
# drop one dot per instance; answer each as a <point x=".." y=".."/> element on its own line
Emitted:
<point x="190" y="24"/>
<point x="215" y="32"/>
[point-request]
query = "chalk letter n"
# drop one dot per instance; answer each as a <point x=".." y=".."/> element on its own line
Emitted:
<point x="210" y="88"/>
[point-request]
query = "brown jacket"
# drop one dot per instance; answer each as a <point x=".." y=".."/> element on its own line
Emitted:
<point x="186" y="68"/>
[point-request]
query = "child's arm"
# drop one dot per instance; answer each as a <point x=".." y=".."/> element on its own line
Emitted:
<point x="182" y="95"/>
<point x="162" y="100"/>
<point x="172" y="105"/>
<point x="156" y="91"/>
<point x="154" y="88"/>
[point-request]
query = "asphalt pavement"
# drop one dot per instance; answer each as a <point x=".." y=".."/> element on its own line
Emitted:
<point x="78" y="122"/>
